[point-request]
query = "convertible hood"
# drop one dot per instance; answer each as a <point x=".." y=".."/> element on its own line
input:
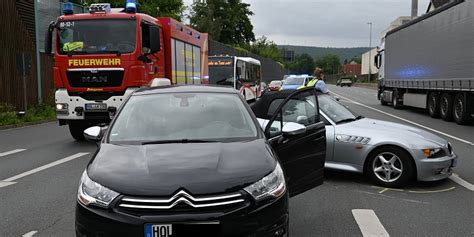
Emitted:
<point x="199" y="168"/>
<point x="373" y="127"/>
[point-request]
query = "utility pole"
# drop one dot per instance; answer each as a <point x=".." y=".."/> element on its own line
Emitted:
<point x="370" y="51"/>
<point x="414" y="9"/>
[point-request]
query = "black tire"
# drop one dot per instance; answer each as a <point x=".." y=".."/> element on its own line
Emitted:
<point x="396" y="104"/>
<point x="382" y="100"/>
<point x="403" y="162"/>
<point x="433" y="104"/>
<point x="446" y="107"/>
<point x="76" y="128"/>
<point x="460" y="110"/>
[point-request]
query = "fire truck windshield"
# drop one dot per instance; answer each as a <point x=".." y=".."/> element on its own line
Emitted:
<point x="96" y="36"/>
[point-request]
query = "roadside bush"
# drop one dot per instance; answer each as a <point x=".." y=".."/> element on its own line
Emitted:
<point x="38" y="113"/>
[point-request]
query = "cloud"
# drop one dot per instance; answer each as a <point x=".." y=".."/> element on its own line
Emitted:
<point x="333" y="23"/>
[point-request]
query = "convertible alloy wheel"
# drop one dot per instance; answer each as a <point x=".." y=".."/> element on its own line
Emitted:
<point x="387" y="167"/>
<point x="390" y="167"/>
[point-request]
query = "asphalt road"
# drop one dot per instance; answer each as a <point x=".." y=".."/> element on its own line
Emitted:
<point x="41" y="202"/>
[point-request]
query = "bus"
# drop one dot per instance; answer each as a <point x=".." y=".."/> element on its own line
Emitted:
<point x="241" y="73"/>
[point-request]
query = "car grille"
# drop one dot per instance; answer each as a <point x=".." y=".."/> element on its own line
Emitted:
<point x="95" y="77"/>
<point x="181" y="202"/>
<point x="450" y="149"/>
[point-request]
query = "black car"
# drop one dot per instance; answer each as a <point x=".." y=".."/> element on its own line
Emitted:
<point x="193" y="161"/>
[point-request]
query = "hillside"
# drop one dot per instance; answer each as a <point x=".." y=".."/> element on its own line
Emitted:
<point x="319" y="52"/>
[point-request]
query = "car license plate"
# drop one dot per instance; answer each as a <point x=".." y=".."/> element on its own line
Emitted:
<point x="96" y="107"/>
<point x="183" y="229"/>
<point x="158" y="230"/>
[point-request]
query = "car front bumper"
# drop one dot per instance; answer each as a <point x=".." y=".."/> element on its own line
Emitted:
<point x="434" y="169"/>
<point x="251" y="221"/>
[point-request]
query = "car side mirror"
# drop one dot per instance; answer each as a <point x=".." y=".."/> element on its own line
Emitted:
<point x="291" y="129"/>
<point x="337" y="98"/>
<point x="94" y="134"/>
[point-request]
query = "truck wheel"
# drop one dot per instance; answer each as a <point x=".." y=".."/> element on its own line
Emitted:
<point x="396" y="104"/>
<point x="460" y="111"/>
<point x="433" y="105"/>
<point x="76" y="128"/>
<point x="382" y="99"/>
<point x="390" y="167"/>
<point x="446" y="107"/>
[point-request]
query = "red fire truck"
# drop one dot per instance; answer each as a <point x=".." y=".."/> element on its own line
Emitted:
<point x="102" y="56"/>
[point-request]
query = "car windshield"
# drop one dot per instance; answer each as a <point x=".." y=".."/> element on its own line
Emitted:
<point x="336" y="112"/>
<point x="97" y="36"/>
<point x="294" y="81"/>
<point x="183" y="116"/>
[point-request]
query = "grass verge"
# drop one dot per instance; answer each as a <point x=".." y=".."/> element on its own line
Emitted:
<point x="35" y="114"/>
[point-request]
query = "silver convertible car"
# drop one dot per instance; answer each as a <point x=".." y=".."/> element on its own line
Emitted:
<point x="390" y="154"/>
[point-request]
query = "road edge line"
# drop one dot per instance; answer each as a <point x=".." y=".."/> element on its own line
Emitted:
<point x="455" y="178"/>
<point x="6" y="153"/>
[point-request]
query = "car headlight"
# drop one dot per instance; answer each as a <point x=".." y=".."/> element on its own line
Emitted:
<point x="272" y="185"/>
<point x="434" y="153"/>
<point x="92" y="193"/>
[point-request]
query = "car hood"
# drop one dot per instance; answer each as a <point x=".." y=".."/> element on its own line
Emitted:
<point x="199" y="168"/>
<point x="378" y="130"/>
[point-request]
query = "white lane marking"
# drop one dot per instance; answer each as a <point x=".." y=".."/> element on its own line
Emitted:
<point x="4" y="184"/>
<point x="30" y="234"/>
<point x="369" y="224"/>
<point x="462" y="182"/>
<point x="47" y="166"/>
<point x="11" y="152"/>
<point x="408" y="121"/>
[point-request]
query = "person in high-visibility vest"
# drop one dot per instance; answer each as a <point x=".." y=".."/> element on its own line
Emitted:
<point x="318" y="81"/>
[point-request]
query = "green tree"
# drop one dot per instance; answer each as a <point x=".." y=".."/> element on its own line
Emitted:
<point x="265" y="48"/>
<point x="162" y="8"/>
<point x="303" y="64"/>
<point x="226" y="21"/>
<point x="329" y="63"/>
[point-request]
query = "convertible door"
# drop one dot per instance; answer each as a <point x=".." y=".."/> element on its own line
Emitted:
<point x="302" y="153"/>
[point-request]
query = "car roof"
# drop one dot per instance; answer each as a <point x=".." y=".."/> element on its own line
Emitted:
<point x="185" y="89"/>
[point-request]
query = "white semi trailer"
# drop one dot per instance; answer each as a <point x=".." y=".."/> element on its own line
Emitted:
<point x="429" y="63"/>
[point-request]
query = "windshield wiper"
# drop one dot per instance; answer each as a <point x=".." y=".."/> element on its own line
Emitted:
<point x="346" y="120"/>
<point x="177" y="141"/>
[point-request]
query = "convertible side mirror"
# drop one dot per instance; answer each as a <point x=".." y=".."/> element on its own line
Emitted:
<point x="337" y="98"/>
<point x="94" y="134"/>
<point x="291" y="129"/>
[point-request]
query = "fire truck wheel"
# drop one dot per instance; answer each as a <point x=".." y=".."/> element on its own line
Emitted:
<point x="76" y="128"/>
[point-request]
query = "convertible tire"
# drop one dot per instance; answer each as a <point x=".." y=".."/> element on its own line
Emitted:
<point x="433" y="104"/>
<point x="390" y="167"/>
<point x="446" y="107"/>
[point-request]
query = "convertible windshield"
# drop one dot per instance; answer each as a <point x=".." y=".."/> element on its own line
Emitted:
<point x="183" y="118"/>
<point x="97" y="36"/>
<point x="294" y="81"/>
<point x="335" y="111"/>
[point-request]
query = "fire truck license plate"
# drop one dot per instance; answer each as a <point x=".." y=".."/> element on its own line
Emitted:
<point x="96" y="107"/>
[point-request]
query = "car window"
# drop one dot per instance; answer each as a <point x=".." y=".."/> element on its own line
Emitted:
<point x="335" y="111"/>
<point x="302" y="110"/>
<point x="206" y="116"/>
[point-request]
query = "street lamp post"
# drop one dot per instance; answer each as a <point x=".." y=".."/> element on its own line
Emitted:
<point x="370" y="51"/>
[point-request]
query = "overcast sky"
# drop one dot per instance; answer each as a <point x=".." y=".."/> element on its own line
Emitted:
<point x="326" y="23"/>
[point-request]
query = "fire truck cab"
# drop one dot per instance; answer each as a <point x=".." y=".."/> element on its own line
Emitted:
<point x="102" y="56"/>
